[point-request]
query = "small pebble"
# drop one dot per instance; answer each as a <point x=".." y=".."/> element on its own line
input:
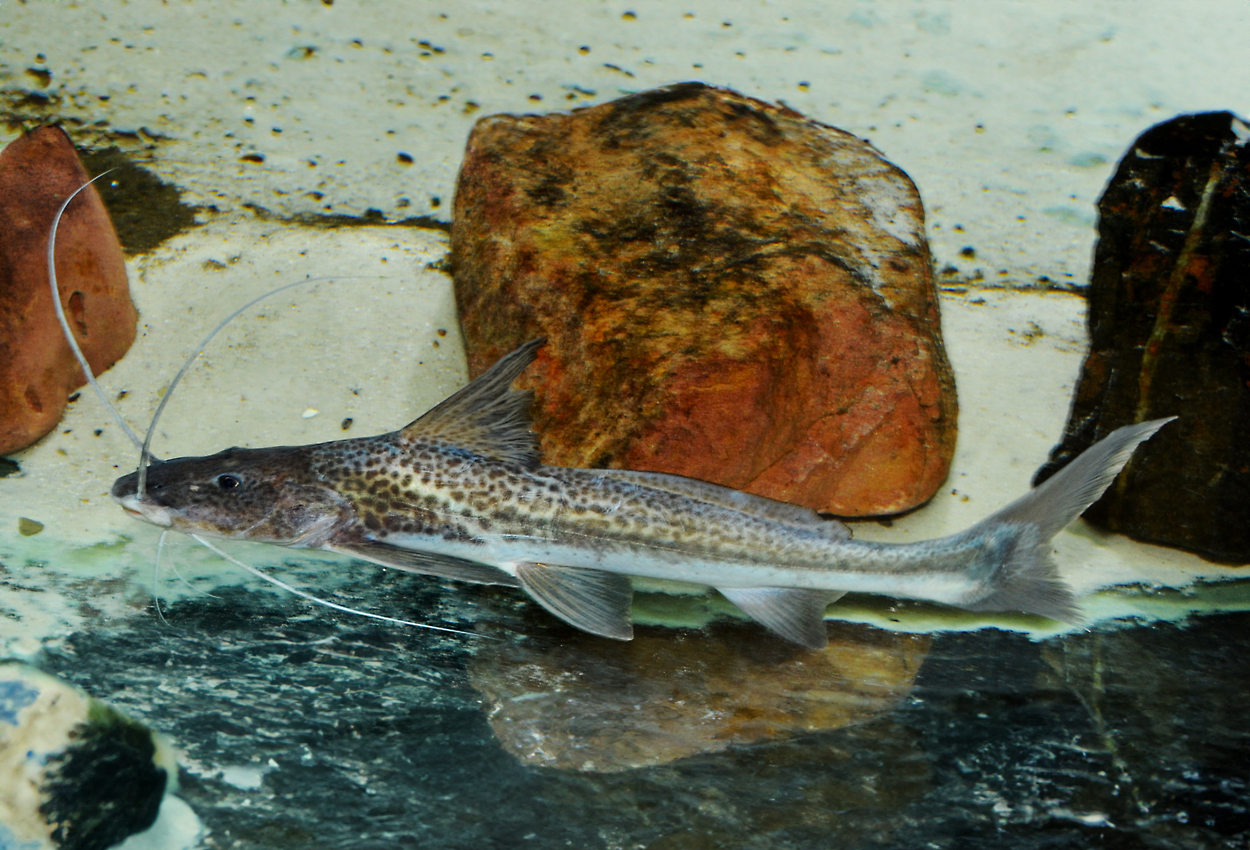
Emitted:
<point x="310" y="413"/>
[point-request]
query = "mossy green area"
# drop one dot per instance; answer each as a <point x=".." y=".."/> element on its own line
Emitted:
<point x="1123" y="606"/>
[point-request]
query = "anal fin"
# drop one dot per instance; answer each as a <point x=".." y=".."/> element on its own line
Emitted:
<point x="797" y="615"/>
<point x="591" y="600"/>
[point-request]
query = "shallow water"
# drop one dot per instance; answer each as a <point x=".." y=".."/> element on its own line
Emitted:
<point x="305" y="730"/>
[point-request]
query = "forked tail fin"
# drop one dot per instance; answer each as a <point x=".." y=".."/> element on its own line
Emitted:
<point x="1016" y="566"/>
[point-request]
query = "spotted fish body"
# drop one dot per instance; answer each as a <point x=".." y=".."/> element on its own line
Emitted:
<point x="461" y="493"/>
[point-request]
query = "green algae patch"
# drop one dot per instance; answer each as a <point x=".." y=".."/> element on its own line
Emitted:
<point x="107" y="547"/>
<point x="657" y="604"/>
<point x="1141" y="603"/>
<point x="674" y="612"/>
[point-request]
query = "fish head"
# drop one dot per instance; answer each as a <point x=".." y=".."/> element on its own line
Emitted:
<point x="267" y="495"/>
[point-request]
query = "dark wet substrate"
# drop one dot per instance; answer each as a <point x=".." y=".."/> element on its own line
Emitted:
<point x="1129" y="738"/>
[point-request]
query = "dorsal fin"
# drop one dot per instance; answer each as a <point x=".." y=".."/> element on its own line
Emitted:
<point x="487" y="416"/>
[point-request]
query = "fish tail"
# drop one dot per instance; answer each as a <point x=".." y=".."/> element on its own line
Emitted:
<point x="1014" y="560"/>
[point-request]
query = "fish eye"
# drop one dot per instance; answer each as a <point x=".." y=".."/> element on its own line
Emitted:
<point x="228" y="482"/>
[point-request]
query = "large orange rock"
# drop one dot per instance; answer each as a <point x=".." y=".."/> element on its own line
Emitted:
<point x="730" y="291"/>
<point x="37" y="369"/>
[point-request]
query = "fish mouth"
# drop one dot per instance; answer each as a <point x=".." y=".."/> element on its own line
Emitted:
<point x="158" y="515"/>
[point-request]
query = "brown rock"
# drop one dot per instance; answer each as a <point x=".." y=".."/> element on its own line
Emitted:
<point x="729" y="291"/>
<point x="37" y="369"/>
<point x="577" y="704"/>
<point x="1169" y="319"/>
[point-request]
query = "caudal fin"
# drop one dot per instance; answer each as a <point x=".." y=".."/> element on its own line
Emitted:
<point x="1017" y="568"/>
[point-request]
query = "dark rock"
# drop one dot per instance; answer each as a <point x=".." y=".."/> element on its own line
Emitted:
<point x="1169" y="318"/>
<point x="1168" y="704"/>
<point x="78" y="773"/>
<point x="37" y="369"/>
<point x="730" y="291"/>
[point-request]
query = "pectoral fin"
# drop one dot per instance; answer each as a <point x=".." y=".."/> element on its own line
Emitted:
<point x="796" y="615"/>
<point x="411" y="561"/>
<point x="593" y="601"/>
